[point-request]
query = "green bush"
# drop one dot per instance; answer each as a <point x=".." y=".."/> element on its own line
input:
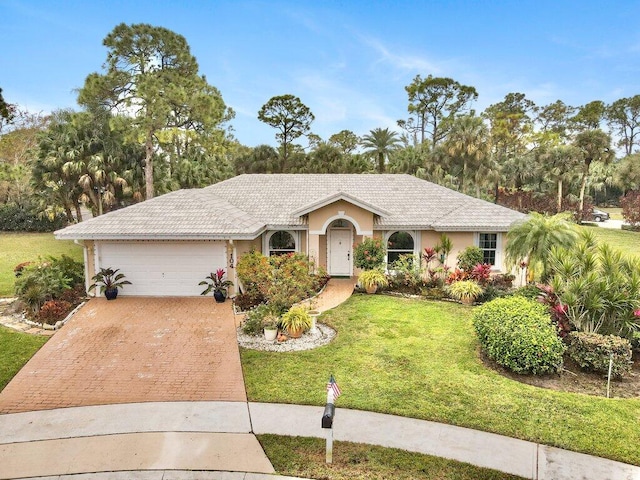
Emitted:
<point x="469" y="258"/>
<point x="254" y="322"/>
<point x="48" y="280"/>
<point x="592" y="352"/>
<point x="18" y="219"/>
<point x="406" y="274"/>
<point x="518" y="334"/>
<point x="280" y="280"/>
<point x="530" y="291"/>
<point x="369" y="254"/>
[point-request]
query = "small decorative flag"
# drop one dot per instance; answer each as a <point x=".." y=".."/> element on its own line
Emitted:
<point x="333" y="388"/>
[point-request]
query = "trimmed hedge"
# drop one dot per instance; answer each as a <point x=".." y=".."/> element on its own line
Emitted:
<point x="592" y="352"/>
<point x="518" y="334"/>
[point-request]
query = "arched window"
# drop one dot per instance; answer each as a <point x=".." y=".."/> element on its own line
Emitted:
<point x="399" y="243"/>
<point x="281" y="242"/>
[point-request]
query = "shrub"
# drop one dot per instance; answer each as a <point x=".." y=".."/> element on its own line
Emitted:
<point x="280" y="280"/>
<point x="517" y="333"/>
<point x="48" y="280"/>
<point x="465" y="291"/>
<point x="372" y="278"/>
<point x="14" y="218"/>
<point x="630" y="204"/>
<point x="530" y="291"/>
<point x="256" y="318"/>
<point x="406" y="274"/>
<point x="246" y="301"/>
<point x="469" y="258"/>
<point x="53" y="311"/>
<point x="592" y="352"/>
<point x="369" y="254"/>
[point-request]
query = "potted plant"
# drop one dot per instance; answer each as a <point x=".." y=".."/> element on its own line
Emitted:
<point x="109" y="281"/>
<point x="465" y="291"/>
<point x="215" y="282"/>
<point x="270" y="326"/>
<point x="296" y="321"/>
<point x="371" y="280"/>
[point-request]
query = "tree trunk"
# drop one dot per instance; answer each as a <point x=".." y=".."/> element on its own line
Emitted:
<point x="148" y="165"/>
<point x="559" y="205"/>
<point x="78" y="211"/>
<point x="583" y="185"/>
<point x="380" y="162"/>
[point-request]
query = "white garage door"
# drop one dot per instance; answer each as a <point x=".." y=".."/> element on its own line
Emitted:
<point x="162" y="268"/>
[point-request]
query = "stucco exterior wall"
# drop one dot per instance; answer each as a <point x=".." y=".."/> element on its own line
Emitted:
<point x="319" y="219"/>
<point x="89" y="262"/>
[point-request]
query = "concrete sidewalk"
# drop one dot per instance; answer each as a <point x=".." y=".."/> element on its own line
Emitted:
<point x="155" y="433"/>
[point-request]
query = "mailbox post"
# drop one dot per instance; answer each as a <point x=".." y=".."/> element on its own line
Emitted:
<point x="327" y="418"/>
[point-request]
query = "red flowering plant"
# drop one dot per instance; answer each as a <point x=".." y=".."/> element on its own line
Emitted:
<point x="557" y="309"/>
<point x="481" y="273"/>
<point x="369" y="254"/>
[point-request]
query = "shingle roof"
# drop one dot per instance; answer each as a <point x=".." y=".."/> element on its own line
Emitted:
<point x="243" y="206"/>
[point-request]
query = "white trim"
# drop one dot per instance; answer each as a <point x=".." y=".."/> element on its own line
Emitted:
<point x="266" y="250"/>
<point x="328" y="222"/>
<point x="414" y="235"/>
<point x="498" y="267"/>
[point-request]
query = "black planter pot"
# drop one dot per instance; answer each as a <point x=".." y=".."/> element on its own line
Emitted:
<point x="219" y="296"/>
<point x="111" y="293"/>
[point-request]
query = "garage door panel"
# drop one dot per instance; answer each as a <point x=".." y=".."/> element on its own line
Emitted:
<point x="163" y="268"/>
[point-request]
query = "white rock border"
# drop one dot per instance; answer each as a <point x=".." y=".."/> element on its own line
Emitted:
<point x="324" y="335"/>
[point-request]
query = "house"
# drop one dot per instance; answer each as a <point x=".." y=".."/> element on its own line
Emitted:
<point x="168" y="244"/>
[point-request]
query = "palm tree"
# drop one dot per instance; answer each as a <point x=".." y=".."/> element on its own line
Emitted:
<point x="380" y="143"/>
<point x="467" y="143"/>
<point x="533" y="239"/>
<point x="595" y="145"/>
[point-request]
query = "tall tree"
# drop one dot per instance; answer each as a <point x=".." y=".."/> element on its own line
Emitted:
<point x="152" y="79"/>
<point x="623" y="117"/>
<point x="594" y="145"/>
<point x="511" y="126"/>
<point x="589" y="116"/>
<point x="627" y="173"/>
<point x="380" y="143"/>
<point x="6" y="111"/>
<point x="433" y="104"/>
<point x="290" y="117"/>
<point x="345" y="140"/>
<point x="468" y="145"/>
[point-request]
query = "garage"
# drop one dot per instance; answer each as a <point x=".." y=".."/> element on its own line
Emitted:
<point x="162" y="268"/>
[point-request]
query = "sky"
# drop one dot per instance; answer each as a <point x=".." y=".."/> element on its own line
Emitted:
<point x="348" y="61"/>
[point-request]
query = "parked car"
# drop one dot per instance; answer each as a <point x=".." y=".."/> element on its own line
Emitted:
<point x="599" y="215"/>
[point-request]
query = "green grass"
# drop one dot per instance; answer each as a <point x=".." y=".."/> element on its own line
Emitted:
<point x="623" y="240"/>
<point x="15" y="350"/>
<point x="305" y="457"/>
<point x="23" y="247"/>
<point x="420" y="359"/>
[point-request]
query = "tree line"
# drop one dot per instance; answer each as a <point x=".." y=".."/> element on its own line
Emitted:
<point x="150" y="123"/>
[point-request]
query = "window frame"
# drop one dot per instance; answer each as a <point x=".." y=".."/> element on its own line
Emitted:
<point x="497" y="266"/>
<point x="269" y="250"/>
<point x="388" y="236"/>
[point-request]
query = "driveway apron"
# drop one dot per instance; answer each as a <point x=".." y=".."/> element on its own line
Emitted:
<point x="133" y="349"/>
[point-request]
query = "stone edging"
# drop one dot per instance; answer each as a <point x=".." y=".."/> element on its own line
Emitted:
<point x="59" y="324"/>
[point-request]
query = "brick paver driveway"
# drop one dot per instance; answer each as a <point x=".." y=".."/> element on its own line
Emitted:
<point x="133" y="349"/>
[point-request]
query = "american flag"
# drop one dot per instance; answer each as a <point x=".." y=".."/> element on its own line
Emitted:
<point x="333" y="387"/>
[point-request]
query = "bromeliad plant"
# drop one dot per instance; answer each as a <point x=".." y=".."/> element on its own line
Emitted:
<point x="109" y="281"/>
<point x="216" y="283"/>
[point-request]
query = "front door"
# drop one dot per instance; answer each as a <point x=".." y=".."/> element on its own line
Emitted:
<point x="340" y="252"/>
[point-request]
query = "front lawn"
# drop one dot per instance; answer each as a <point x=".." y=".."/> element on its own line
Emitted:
<point x="624" y="240"/>
<point x="305" y="457"/>
<point x="24" y="247"/>
<point x="420" y="359"/>
<point x="15" y="350"/>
